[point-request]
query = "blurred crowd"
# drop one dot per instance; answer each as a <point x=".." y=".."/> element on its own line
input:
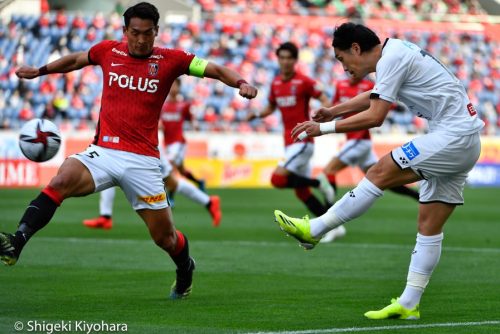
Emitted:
<point x="73" y="100"/>
<point x="390" y="9"/>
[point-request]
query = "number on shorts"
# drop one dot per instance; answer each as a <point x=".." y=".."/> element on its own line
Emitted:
<point x="92" y="154"/>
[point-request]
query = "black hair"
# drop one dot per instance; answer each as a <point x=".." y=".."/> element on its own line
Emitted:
<point x="348" y="33"/>
<point x="142" y="10"/>
<point x="289" y="46"/>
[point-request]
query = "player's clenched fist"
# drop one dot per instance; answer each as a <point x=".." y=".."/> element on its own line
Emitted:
<point x="27" y="72"/>
<point x="248" y="91"/>
<point x="322" y="114"/>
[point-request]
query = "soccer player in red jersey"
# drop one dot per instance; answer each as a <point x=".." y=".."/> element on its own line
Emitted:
<point x="174" y="111"/>
<point x="137" y="78"/>
<point x="291" y="92"/>
<point x="358" y="148"/>
<point x="173" y="114"/>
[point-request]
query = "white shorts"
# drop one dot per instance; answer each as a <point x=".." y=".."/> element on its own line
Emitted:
<point x="358" y="152"/>
<point x="298" y="158"/>
<point x="176" y="152"/>
<point x="443" y="161"/>
<point x="138" y="175"/>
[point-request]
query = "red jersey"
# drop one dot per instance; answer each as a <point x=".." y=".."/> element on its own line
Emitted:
<point x="134" y="90"/>
<point x="173" y="115"/>
<point x="345" y="91"/>
<point x="292" y="98"/>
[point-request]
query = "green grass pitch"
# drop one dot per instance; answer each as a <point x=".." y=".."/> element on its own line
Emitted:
<point x="250" y="277"/>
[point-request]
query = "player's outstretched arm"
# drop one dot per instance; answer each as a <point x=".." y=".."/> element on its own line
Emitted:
<point x="325" y="101"/>
<point x="68" y="63"/>
<point x="356" y="104"/>
<point x="230" y="78"/>
<point x="374" y="116"/>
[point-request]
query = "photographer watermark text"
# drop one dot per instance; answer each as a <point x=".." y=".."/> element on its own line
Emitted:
<point x="72" y="326"/>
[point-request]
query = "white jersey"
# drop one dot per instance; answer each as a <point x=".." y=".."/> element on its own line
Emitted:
<point x="406" y="72"/>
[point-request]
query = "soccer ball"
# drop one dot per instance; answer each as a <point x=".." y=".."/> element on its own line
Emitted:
<point x="39" y="140"/>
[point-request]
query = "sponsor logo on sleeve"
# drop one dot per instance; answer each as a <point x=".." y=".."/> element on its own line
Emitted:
<point x="410" y="150"/>
<point x="471" y="109"/>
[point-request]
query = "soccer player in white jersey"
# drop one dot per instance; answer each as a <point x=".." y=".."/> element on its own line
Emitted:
<point x="440" y="160"/>
<point x="137" y="77"/>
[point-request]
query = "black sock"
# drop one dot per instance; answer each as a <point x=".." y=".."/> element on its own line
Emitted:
<point x="297" y="181"/>
<point x="37" y="215"/>
<point x="406" y="191"/>
<point x="182" y="259"/>
<point x="315" y="206"/>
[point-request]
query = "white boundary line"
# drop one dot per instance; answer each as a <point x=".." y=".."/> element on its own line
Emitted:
<point x="385" y="328"/>
<point x="265" y="243"/>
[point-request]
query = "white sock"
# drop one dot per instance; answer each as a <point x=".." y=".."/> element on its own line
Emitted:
<point x="106" y="201"/>
<point x="424" y="258"/>
<point x="187" y="189"/>
<point x="352" y="205"/>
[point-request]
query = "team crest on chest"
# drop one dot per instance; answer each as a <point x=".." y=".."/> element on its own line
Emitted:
<point x="153" y="69"/>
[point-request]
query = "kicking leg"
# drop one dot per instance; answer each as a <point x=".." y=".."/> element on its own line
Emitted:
<point x="175" y="243"/>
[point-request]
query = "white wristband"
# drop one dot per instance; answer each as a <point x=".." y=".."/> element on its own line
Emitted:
<point x="302" y="135"/>
<point x="328" y="127"/>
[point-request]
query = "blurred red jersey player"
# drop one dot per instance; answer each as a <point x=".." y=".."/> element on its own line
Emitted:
<point x="176" y="110"/>
<point x="291" y="93"/>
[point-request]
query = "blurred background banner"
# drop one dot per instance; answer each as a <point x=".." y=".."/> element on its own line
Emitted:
<point x="229" y="160"/>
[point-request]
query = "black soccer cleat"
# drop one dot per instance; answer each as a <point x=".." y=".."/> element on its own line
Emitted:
<point x="183" y="283"/>
<point x="8" y="252"/>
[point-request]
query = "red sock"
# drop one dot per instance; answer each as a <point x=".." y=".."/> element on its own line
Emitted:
<point x="303" y="193"/>
<point x="279" y="181"/>
<point x="180" y="243"/>
<point x="331" y="178"/>
<point x="53" y="194"/>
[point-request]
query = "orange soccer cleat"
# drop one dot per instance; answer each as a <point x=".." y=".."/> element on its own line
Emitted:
<point x="99" y="222"/>
<point x="214" y="209"/>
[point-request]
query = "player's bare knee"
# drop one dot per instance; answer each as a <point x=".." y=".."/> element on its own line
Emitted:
<point x="378" y="176"/>
<point x="61" y="183"/>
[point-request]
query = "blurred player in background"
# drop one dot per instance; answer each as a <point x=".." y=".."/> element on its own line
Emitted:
<point x="174" y="111"/>
<point x="358" y="148"/>
<point x="440" y="159"/>
<point x="172" y="184"/>
<point x="137" y="77"/>
<point x="291" y="92"/>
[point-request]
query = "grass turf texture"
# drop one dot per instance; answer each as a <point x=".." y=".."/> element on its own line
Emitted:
<point x="249" y="276"/>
